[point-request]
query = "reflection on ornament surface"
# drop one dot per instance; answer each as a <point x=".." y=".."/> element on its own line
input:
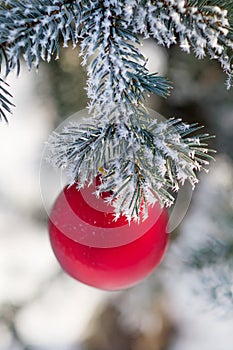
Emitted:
<point x="98" y="251"/>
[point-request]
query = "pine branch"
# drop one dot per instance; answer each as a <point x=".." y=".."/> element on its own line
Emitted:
<point x="32" y="30"/>
<point x="204" y="29"/>
<point x="5" y="104"/>
<point x="143" y="163"/>
<point x="118" y="78"/>
<point x="223" y="4"/>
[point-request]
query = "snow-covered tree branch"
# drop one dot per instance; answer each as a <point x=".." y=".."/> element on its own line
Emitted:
<point x="144" y="160"/>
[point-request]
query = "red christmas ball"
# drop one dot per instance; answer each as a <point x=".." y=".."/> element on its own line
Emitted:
<point x="96" y="250"/>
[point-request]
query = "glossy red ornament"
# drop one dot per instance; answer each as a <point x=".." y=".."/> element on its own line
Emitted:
<point x="96" y="250"/>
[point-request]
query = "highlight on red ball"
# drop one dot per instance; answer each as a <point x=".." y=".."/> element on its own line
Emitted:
<point x="97" y="250"/>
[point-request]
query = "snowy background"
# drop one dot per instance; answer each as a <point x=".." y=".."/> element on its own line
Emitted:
<point x="40" y="306"/>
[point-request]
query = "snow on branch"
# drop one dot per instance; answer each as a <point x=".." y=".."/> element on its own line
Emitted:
<point x="143" y="164"/>
<point x="117" y="75"/>
<point x="144" y="160"/>
<point x="32" y="30"/>
<point x="204" y="29"/>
